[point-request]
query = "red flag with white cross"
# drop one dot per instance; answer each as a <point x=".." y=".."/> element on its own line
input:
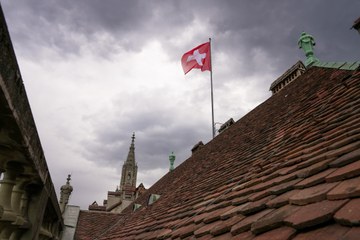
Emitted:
<point x="199" y="57"/>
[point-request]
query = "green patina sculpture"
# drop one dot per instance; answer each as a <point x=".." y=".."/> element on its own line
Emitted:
<point x="172" y="160"/>
<point x="307" y="43"/>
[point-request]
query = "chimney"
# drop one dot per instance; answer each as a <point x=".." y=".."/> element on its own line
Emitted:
<point x="226" y="125"/>
<point x="290" y="75"/>
<point x="65" y="192"/>
<point x="197" y="147"/>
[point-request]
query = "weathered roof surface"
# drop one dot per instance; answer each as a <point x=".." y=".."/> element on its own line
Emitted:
<point x="92" y="224"/>
<point x="289" y="169"/>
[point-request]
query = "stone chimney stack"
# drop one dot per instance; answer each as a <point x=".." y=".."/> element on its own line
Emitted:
<point x="65" y="192"/>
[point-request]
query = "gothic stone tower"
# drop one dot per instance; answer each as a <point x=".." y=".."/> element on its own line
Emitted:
<point x="128" y="174"/>
<point x="122" y="197"/>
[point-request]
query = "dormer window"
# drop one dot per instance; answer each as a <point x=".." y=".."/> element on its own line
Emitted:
<point x="136" y="206"/>
<point x="153" y="198"/>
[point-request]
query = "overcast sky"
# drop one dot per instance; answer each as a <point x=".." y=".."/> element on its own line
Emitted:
<point x="97" y="71"/>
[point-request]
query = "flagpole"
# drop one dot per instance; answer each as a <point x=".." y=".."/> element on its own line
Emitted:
<point x="212" y="93"/>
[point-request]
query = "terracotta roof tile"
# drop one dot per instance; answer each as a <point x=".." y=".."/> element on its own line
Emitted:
<point x="287" y="170"/>
<point x="243" y="236"/>
<point x="253" y="207"/>
<point x="92" y="224"/>
<point x="215" y="215"/>
<point x="205" y="229"/>
<point x="348" y="171"/>
<point x="216" y="206"/>
<point x="352" y="234"/>
<point x="163" y="233"/>
<point x="301" y="144"/>
<point x="343" y="150"/>
<point x="313" y="169"/>
<point x="273" y="220"/>
<point x="346" y="189"/>
<point x="240" y="200"/>
<point x="314" y="214"/>
<point x="239" y="192"/>
<point x="259" y="195"/>
<point x="284" y="187"/>
<point x="245" y="224"/>
<point x="315" y="179"/>
<point x="140" y="236"/>
<point x="186" y="231"/>
<point x="225" y="226"/>
<point x="325" y="233"/>
<point x="281" y="200"/>
<point x="282" y="233"/>
<point x="313" y="194"/>
<point x="349" y="214"/>
<point x="205" y="237"/>
<point x="225" y="236"/>
<point x="346" y="159"/>
<point x="231" y="212"/>
<point x="264" y="187"/>
<point x="201" y="204"/>
<point x="187" y="221"/>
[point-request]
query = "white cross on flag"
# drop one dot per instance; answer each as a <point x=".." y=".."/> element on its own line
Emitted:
<point x="198" y="57"/>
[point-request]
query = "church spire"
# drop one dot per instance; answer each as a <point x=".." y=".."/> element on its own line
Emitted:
<point x="129" y="169"/>
<point x="131" y="154"/>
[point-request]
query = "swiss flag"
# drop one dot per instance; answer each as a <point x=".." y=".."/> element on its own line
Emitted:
<point x="198" y="57"/>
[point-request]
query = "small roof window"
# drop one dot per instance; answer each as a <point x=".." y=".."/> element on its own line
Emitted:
<point x="153" y="198"/>
<point x="136" y="206"/>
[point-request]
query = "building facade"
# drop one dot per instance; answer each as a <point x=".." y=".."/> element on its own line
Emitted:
<point x="28" y="204"/>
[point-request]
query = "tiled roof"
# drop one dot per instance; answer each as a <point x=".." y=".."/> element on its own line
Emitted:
<point x="92" y="224"/>
<point x="113" y="206"/>
<point x="95" y="207"/>
<point x="289" y="169"/>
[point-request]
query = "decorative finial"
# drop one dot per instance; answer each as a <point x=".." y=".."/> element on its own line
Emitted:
<point x="307" y="43"/>
<point x="65" y="192"/>
<point x="68" y="179"/>
<point x="172" y="160"/>
<point x="133" y="137"/>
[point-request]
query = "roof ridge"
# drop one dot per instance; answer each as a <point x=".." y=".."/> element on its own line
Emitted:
<point x="338" y="65"/>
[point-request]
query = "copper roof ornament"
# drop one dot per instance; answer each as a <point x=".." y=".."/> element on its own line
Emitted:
<point x="172" y="160"/>
<point x="307" y="43"/>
